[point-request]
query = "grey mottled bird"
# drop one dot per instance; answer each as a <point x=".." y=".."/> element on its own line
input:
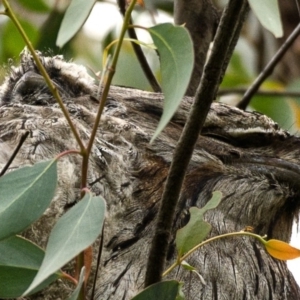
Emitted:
<point x="246" y="156"/>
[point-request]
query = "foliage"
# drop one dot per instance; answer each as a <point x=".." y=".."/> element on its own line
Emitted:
<point x="35" y="186"/>
<point x="197" y="229"/>
<point x="272" y="20"/>
<point x="19" y="263"/>
<point x="165" y="290"/>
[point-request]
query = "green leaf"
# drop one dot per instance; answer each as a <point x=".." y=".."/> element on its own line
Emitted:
<point x="165" y="290"/>
<point x="36" y="5"/>
<point x="180" y="295"/>
<point x="196" y="229"/>
<point x="76" y="292"/>
<point x="19" y="263"/>
<point x="187" y="266"/>
<point x="176" y="54"/>
<point x="25" y="195"/>
<point x="76" y="14"/>
<point x="73" y="233"/>
<point x="267" y="12"/>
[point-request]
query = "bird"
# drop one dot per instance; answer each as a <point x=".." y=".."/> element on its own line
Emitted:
<point x="245" y="155"/>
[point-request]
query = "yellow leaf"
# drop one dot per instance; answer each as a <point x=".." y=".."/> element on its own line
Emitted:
<point x="281" y="250"/>
<point x="296" y="111"/>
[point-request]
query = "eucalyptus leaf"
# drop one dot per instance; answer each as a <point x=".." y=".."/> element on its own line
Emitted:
<point x="267" y="12"/>
<point x="20" y="261"/>
<point x="196" y="229"/>
<point x="25" y="195"/>
<point x="75" y="16"/>
<point x="176" y="55"/>
<point x="73" y="233"/>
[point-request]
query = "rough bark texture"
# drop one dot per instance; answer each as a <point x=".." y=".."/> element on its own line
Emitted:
<point x="245" y="155"/>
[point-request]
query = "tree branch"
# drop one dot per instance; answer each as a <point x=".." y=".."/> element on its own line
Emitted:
<point x="268" y="93"/>
<point x="139" y="52"/>
<point x="14" y="154"/>
<point x="201" y="19"/>
<point x="212" y="75"/>
<point x="268" y="70"/>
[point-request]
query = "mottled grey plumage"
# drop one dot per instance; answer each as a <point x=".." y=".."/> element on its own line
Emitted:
<point x="245" y="155"/>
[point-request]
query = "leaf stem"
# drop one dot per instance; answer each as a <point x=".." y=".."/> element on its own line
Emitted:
<point x="108" y="76"/>
<point x="181" y="259"/>
<point x="111" y="72"/>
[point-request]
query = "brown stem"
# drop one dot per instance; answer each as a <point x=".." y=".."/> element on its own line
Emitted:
<point x="14" y="154"/>
<point x="139" y="52"/>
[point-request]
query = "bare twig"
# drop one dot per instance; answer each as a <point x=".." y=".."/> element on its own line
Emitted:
<point x="206" y="92"/>
<point x="14" y="154"/>
<point x="98" y="263"/>
<point x="139" y="52"/>
<point x="223" y="92"/>
<point x="268" y="70"/>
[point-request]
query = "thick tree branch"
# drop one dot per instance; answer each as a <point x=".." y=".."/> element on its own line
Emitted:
<point x="213" y="73"/>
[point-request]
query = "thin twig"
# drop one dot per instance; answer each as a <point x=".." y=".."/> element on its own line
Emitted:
<point x="108" y="76"/>
<point x="14" y="154"/>
<point x="139" y="52"/>
<point x="268" y="70"/>
<point x="98" y="263"/>
<point x="241" y="91"/>
<point x="206" y="92"/>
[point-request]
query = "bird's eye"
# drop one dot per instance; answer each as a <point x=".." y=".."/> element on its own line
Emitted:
<point x="244" y="138"/>
<point x="29" y="83"/>
<point x="219" y="137"/>
<point x="32" y="89"/>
